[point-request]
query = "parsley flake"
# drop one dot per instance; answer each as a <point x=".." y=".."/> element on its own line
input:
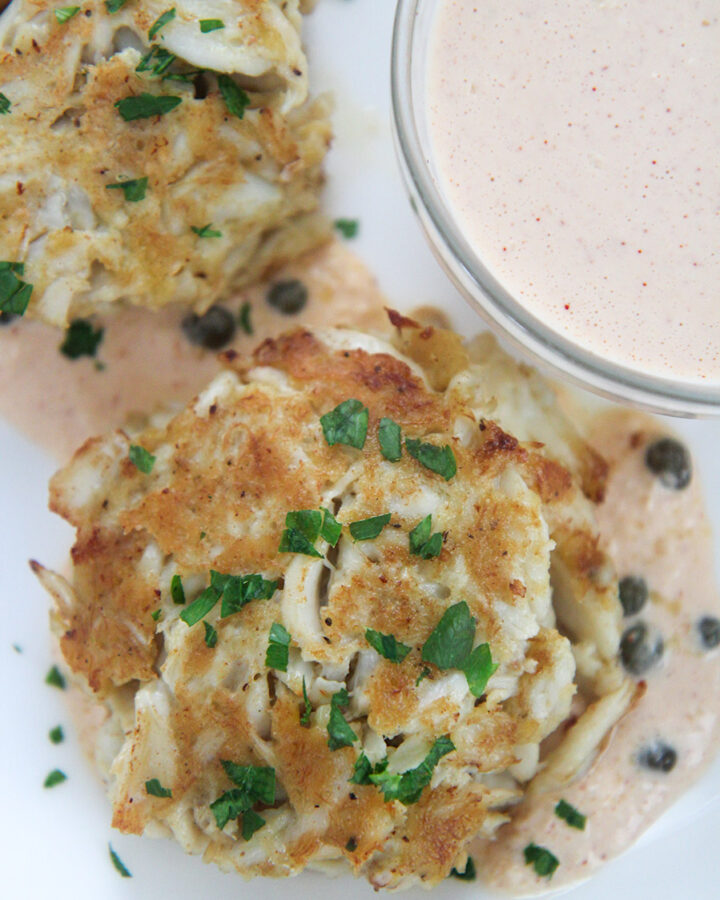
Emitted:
<point x="211" y="635"/>
<point x="438" y="459"/>
<point x="244" y="318"/>
<point x="468" y="874"/>
<point x="157" y="61"/>
<point x="369" y="529"/>
<point x="387" y="645"/>
<point x="141" y="458"/>
<point x="305" y="717"/>
<point x="55" y="777"/>
<point x="566" y="811"/>
<point x="112" y="6"/>
<point x="422" y="542"/>
<point x="304" y="526"/>
<point x="235" y="98"/>
<point x="161" y="22"/>
<point x="278" y="650"/>
<point x="408" y="786"/>
<point x="14" y="293"/>
<point x="144" y="106"/>
<point x="239" y="590"/>
<point x="200" y="606"/>
<point x="340" y="733"/>
<point x="390" y="438"/>
<point x="346" y="424"/>
<point x="422" y="676"/>
<point x="478" y="668"/>
<point x="134" y="189"/>
<point x="254" y="784"/>
<point x="207" y="231"/>
<point x="56" y="735"/>
<point x="81" y="339"/>
<point x="348" y="228"/>
<point x="55" y="678"/>
<point x="543" y="861"/>
<point x="450" y="646"/>
<point x="5" y="105"/>
<point x="207" y="25"/>
<point x="177" y="591"/>
<point x="155" y="789"/>
<point x="155" y="616"/>
<point x="363" y="769"/>
<point x="114" y="858"/>
<point x="63" y="14"/>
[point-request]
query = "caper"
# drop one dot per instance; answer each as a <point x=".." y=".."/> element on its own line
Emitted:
<point x="633" y="591"/>
<point x="288" y="297"/>
<point x="660" y="757"/>
<point x="709" y="628"/>
<point x="670" y="461"/>
<point x="213" y="330"/>
<point x="639" y="649"/>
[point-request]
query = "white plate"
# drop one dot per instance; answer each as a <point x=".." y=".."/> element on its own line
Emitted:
<point x="54" y="843"/>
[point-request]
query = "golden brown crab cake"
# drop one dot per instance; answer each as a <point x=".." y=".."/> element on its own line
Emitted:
<point x="205" y="176"/>
<point x="389" y="656"/>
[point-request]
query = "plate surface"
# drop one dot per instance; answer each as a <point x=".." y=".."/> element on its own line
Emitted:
<point x="54" y="842"/>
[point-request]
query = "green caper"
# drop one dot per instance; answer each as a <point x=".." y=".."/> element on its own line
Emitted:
<point x="640" y="650"/>
<point x="670" y="461"/>
<point x="287" y="297"/>
<point x="709" y="628"/>
<point x="660" y="757"/>
<point x="212" y="330"/>
<point x="633" y="591"/>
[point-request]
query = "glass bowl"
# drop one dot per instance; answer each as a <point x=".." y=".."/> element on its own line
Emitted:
<point x="546" y="347"/>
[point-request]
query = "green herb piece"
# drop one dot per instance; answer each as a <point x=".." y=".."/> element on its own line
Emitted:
<point x="230" y="805"/>
<point x="203" y="535"/>
<point x="157" y="61"/>
<point x="211" y="635"/>
<point x="331" y="529"/>
<point x="55" y="678"/>
<point x="251" y="822"/>
<point x="207" y="231"/>
<point x="155" y="789"/>
<point x="369" y="529"/>
<point x="81" y="339"/>
<point x="362" y="770"/>
<point x="478" y="668"/>
<point x="424" y="674"/>
<point x="239" y="590"/>
<point x="566" y="811"/>
<point x="408" y="786"/>
<point x="451" y="641"/>
<point x="438" y="459"/>
<point x="141" y="458"/>
<point x="346" y="424"/>
<point x="235" y="98"/>
<point x="422" y="542"/>
<point x="113" y="6"/>
<point x="177" y="591"/>
<point x="200" y="606"/>
<point x="207" y="25"/>
<point x="64" y="13"/>
<point x="14" y="293"/>
<point x="144" y="106"/>
<point x="244" y="318"/>
<point x="294" y="541"/>
<point x="56" y="735"/>
<point x="55" y="777"/>
<point x="115" y="859"/>
<point x="468" y="874"/>
<point x="278" y="650"/>
<point x="543" y="861"/>
<point x="387" y="645"/>
<point x="305" y="717"/>
<point x="254" y="784"/>
<point x="390" y="438"/>
<point x="156" y="615"/>
<point x="341" y="734"/>
<point x="134" y="189"/>
<point x="348" y="228"/>
<point x="17" y="648"/>
<point x="351" y="845"/>
<point x="161" y="22"/>
<point x="307" y="521"/>
<point x="5" y="104"/>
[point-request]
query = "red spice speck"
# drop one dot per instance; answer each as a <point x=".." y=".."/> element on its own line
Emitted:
<point x="567" y="306"/>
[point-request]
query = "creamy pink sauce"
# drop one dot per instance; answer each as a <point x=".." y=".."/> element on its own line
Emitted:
<point x="663" y="536"/>
<point x="575" y="142"/>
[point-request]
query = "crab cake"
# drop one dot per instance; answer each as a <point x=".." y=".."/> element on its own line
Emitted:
<point x="149" y="157"/>
<point x="333" y="607"/>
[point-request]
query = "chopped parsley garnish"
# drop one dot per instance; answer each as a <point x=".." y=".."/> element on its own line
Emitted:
<point x="408" y="786"/>
<point x="566" y="811"/>
<point x="56" y="735"/>
<point x="235" y="98"/>
<point x="134" y="189"/>
<point x="55" y="678"/>
<point x="369" y="529"/>
<point x="346" y="424"/>
<point x="244" y="318"/>
<point x="387" y="645"/>
<point x="200" y="606"/>
<point x="278" y="650"/>
<point x="422" y="676"/>
<point x="348" y="228"/>
<point x="144" y="106"/>
<point x="450" y="646"/>
<point x="363" y="769"/>
<point x="293" y="541"/>
<point x="177" y="591"/>
<point x="155" y="616"/>
<point x="81" y="339"/>
<point x="112" y="6"/>
<point x="390" y="438"/>
<point x="155" y="789"/>
<point x="141" y="458"/>
<point x="114" y="858"/>
<point x="14" y="293"/>
<point x="304" y="526"/>
<point x="340" y="733"/>
<point x="468" y="874"/>
<point x="5" y="104"/>
<point x="207" y="25"/>
<point x="64" y="13"/>
<point x="161" y="22"/>
<point x="157" y="61"/>
<point x="207" y="231"/>
<point x="422" y="542"/>
<point x="254" y="784"/>
<point x="55" y="777"/>
<point x="543" y="861"/>
<point x="438" y="459"/>
<point x="211" y="635"/>
<point x="239" y="590"/>
<point x="17" y="648"/>
<point x="305" y="717"/>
